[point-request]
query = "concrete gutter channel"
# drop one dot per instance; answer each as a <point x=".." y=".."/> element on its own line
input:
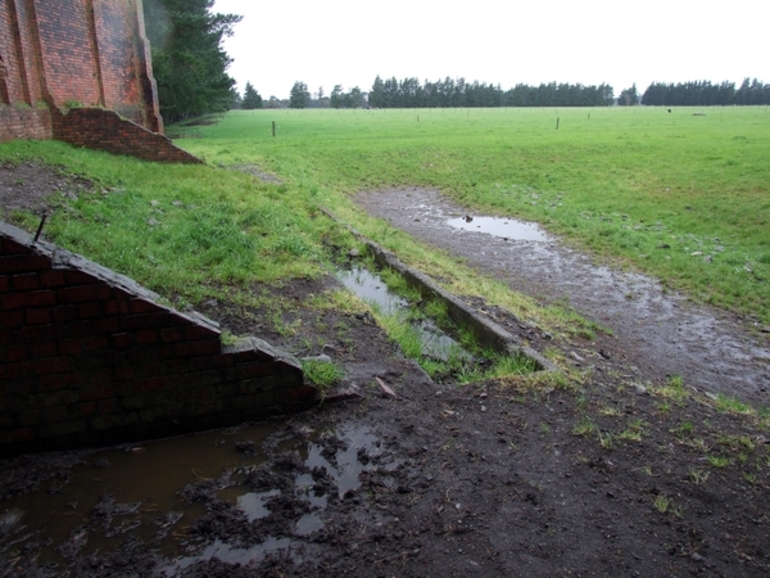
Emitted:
<point x="487" y="332"/>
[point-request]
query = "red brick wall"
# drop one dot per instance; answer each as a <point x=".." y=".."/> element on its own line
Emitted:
<point x="25" y="123"/>
<point x="104" y="130"/>
<point x="90" y="52"/>
<point x="88" y="357"/>
<point x="17" y="50"/>
<point x="68" y="48"/>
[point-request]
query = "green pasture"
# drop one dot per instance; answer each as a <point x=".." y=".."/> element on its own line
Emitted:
<point x="682" y="195"/>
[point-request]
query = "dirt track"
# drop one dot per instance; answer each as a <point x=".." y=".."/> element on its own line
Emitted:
<point x="661" y="332"/>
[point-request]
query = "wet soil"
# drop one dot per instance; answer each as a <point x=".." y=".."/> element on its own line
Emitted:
<point x="602" y="474"/>
<point x="660" y="331"/>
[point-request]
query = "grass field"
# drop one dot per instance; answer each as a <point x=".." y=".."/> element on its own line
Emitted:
<point x="683" y="196"/>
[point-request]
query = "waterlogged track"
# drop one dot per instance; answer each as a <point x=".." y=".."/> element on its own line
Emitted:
<point x="661" y="332"/>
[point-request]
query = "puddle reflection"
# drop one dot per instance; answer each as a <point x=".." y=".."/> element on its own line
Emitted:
<point x="509" y="229"/>
<point x="435" y="343"/>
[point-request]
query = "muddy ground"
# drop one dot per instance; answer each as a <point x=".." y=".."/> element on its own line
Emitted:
<point x="604" y="474"/>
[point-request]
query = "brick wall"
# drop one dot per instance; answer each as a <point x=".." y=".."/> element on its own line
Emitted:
<point x="101" y="129"/>
<point x="88" y="357"/>
<point x="90" y="52"/>
<point x="25" y="123"/>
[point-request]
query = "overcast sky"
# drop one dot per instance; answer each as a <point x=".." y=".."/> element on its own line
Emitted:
<point x="350" y="42"/>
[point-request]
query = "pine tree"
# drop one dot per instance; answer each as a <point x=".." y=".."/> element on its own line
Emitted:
<point x="299" y="96"/>
<point x="188" y="62"/>
<point x="251" y="98"/>
<point x="628" y="96"/>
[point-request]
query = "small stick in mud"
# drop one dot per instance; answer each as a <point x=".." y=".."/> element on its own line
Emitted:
<point x="385" y="388"/>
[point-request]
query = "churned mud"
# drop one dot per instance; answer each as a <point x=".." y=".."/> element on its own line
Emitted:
<point x="609" y="473"/>
<point x="658" y="330"/>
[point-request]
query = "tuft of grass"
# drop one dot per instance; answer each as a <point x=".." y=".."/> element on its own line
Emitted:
<point x="338" y="300"/>
<point x="610" y="411"/>
<point x="322" y="374"/>
<point x="672" y="391"/>
<point x="605" y="439"/>
<point x="634" y="431"/>
<point x="662" y="503"/>
<point x="665" y="505"/>
<point x="727" y="404"/>
<point x="584" y="427"/>
<point x="718" y="461"/>
<point x="699" y="476"/>
<point x="683" y="430"/>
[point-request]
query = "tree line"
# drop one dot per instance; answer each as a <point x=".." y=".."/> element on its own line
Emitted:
<point x="704" y="93"/>
<point x="456" y="93"/>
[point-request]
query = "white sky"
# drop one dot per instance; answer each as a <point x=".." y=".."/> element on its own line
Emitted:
<point x="350" y="42"/>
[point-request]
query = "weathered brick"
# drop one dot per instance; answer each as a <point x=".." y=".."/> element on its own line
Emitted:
<point x="97" y="387"/>
<point x="16" y="353"/>
<point x="90" y="309"/>
<point x="302" y="393"/>
<point x="122" y="340"/>
<point x="55" y="430"/>
<point x="132" y="402"/>
<point x="38" y="316"/>
<point x="116" y="307"/>
<point x="11" y="247"/>
<point x="248" y="371"/>
<point x="23" y="263"/>
<point x="145" y="321"/>
<point x="194" y="332"/>
<point x="27" y="299"/>
<point x="46" y="366"/>
<point x="150" y="384"/>
<point x="58" y="381"/>
<point x="172" y="334"/>
<point x="64" y="313"/>
<point x="33" y="417"/>
<point x="144" y="306"/>
<point x="83" y="293"/>
<point x="28" y="282"/>
<point x="70" y="346"/>
<point x="11" y="318"/>
<point x="84" y="409"/>
<point x="95" y="343"/>
<point x="147" y="337"/>
<point x="9" y="370"/>
<point x="109" y="405"/>
<point x="44" y="349"/>
<point x="17" y="436"/>
<point x="54" y="414"/>
<point x="75" y="277"/>
<point x="52" y="278"/>
<point x="47" y="332"/>
<point x="125" y="372"/>
<point x="203" y="347"/>
<point x="154" y="414"/>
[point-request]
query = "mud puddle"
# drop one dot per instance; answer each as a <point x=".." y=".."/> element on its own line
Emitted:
<point x="237" y="495"/>
<point x="506" y="229"/>
<point x="369" y="287"/>
<point x="660" y="332"/>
